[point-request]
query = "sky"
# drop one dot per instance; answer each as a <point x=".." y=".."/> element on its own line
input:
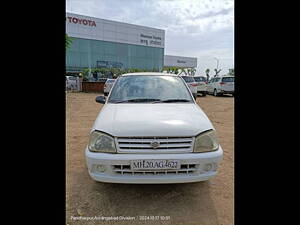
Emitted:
<point x="193" y="28"/>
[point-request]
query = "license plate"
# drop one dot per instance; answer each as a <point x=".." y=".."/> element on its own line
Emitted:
<point x="154" y="164"/>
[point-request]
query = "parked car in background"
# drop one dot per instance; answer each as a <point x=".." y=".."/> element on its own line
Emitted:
<point x="221" y="85"/>
<point x="151" y="130"/>
<point x="192" y="84"/>
<point x="71" y="82"/>
<point x="108" y="85"/>
<point x="202" y="82"/>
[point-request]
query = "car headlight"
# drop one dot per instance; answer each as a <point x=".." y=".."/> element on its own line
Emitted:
<point x="206" y="142"/>
<point x="100" y="142"/>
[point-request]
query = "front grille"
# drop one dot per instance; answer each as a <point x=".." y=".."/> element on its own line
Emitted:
<point x="166" y="144"/>
<point x="184" y="169"/>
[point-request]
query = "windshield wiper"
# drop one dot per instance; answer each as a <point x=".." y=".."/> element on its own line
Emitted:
<point x="172" y="100"/>
<point x="137" y="100"/>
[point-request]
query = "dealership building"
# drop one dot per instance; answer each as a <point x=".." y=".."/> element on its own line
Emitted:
<point x="98" y="43"/>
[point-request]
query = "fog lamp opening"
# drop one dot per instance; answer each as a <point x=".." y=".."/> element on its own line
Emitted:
<point x="101" y="168"/>
<point x="208" y="167"/>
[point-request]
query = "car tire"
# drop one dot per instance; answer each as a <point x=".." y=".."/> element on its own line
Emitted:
<point x="195" y="96"/>
<point x="204" y="94"/>
<point x="215" y="93"/>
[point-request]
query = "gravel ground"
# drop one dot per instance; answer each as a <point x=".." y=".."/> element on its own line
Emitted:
<point x="203" y="203"/>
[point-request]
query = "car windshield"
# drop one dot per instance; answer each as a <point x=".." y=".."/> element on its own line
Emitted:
<point x="200" y="79"/>
<point x="144" y="88"/>
<point x="188" y="79"/>
<point x="228" y="79"/>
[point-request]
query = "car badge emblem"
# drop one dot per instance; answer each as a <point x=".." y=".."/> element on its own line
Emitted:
<point x="155" y="144"/>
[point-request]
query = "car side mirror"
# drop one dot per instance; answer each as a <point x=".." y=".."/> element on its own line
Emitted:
<point x="101" y="99"/>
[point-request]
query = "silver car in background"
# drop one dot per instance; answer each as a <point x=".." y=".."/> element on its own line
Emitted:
<point x="72" y="83"/>
<point x="202" y="85"/>
<point x="108" y="85"/>
<point x="190" y="81"/>
<point x="221" y="85"/>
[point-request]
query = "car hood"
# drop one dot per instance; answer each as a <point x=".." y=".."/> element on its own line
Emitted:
<point x="161" y="119"/>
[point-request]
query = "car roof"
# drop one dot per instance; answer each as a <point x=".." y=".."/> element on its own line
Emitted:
<point x="222" y="76"/>
<point x="149" y="74"/>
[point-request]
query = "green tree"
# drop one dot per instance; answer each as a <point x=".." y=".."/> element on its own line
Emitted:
<point x="68" y="41"/>
<point x="231" y="72"/>
<point x="191" y="71"/>
<point x="173" y="69"/>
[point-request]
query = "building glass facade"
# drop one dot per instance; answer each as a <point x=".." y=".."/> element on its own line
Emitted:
<point x="87" y="53"/>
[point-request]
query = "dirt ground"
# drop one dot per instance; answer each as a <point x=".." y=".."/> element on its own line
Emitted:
<point x="203" y="203"/>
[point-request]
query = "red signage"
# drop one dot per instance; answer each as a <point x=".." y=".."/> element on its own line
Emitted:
<point x="75" y="20"/>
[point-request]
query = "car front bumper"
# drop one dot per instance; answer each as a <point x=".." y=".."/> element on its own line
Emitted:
<point x="115" y="168"/>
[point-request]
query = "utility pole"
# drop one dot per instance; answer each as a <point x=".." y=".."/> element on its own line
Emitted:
<point x="217" y="71"/>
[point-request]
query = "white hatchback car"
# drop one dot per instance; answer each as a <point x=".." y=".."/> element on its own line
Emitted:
<point x="201" y="88"/>
<point x="108" y="85"/>
<point x="221" y="85"/>
<point x="151" y="130"/>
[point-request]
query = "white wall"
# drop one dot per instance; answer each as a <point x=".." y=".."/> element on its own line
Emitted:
<point x="106" y="30"/>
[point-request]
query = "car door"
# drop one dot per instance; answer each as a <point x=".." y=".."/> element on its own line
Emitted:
<point x="216" y="84"/>
<point x="70" y="82"/>
<point x="210" y="85"/>
<point x="74" y="82"/>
